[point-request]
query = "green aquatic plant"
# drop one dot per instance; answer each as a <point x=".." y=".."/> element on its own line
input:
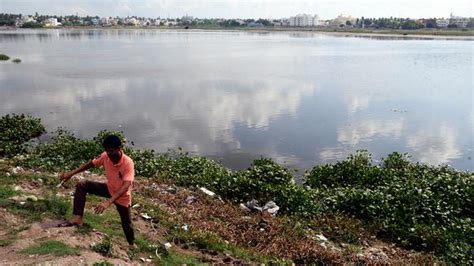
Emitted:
<point x="415" y="205"/>
<point x="16" y="131"/>
<point x="4" y="57"/>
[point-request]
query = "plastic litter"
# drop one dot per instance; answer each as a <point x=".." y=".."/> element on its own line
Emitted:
<point x="321" y="238"/>
<point x="207" y="191"/>
<point x="253" y="205"/>
<point x="191" y="199"/>
<point x="145" y="216"/>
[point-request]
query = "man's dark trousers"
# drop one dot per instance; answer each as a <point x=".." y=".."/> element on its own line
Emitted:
<point x="100" y="189"/>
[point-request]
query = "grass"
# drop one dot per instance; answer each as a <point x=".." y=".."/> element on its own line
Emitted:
<point x="176" y="258"/>
<point x="108" y="222"/>
<point x="52" y="206"/>
<point x="12" y="236"/>
<point x="210" y="242"/>
<point x="102" y="263"/>
<point x="4" y="57"/>
<point x="104" y="248"/>
<point x="51" y="247"/>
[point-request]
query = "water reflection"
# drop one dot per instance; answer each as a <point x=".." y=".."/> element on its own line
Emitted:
<point x="300" y="98"/>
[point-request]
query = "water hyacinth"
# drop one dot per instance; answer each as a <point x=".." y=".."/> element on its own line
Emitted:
<point x="415" y="205"/>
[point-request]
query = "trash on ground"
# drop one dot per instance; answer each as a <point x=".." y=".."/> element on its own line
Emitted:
<point x="31" y="198"/>
<point x="171" y="190"/>
<point x="191" y="199"/>
<point x="253" y="205"/>
<point x="207" y="191"/>
<point x="145" y="216"/>
<point x="320" y="237"/>
<point x="271" y="208"/>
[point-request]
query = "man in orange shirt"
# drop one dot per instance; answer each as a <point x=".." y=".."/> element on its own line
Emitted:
<point x="119" y="170"/>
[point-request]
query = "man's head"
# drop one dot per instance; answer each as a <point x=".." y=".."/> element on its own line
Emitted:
<point x="113" y="147"/>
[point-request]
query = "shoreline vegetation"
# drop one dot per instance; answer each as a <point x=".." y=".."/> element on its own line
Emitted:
<point x="422" y="33"/>
<point x="412" y="205"/>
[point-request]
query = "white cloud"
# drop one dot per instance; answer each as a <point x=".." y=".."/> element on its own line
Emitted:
<point x="435" y="146"/>
<point x="364" y="130"/>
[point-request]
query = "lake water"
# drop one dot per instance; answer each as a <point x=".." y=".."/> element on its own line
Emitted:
<point x="300" y="98"/>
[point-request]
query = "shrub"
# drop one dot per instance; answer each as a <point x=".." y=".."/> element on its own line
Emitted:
<point x="413" y="204"/>
<point x="104" y="247"/>
<point x="16" y="131"/>
<point x="51" y="247"/>
<point x="4" y="57"/>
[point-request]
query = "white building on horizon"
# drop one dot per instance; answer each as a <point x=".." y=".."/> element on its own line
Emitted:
<point x="51" y="22"/>
<point x="303" y="20"/>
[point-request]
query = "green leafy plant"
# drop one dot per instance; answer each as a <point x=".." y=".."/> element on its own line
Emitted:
<point x="16" y="131"/>
<point x="104" y="247"/>
<point x="51" y="247"/>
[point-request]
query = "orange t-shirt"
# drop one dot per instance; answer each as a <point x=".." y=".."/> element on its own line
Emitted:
<point x="116" y="174"/>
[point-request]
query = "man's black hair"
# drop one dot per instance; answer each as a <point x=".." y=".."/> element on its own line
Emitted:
<point x="112" y="141"/>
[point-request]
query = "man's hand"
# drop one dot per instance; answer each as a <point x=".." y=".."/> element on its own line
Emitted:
<point x="101" y="207"/>
<point x="66" y="176"/>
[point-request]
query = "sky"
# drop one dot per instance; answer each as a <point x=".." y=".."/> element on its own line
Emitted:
<point x="326" y="9"/>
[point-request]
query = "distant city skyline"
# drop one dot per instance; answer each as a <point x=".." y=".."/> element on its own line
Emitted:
<point x="326" y="9"/>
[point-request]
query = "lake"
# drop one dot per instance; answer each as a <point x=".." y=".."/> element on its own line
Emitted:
<point x="300" y="98"/>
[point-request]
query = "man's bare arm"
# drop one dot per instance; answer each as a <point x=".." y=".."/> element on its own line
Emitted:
<point x="66" y="176"/>
<point x="104" y="205"/>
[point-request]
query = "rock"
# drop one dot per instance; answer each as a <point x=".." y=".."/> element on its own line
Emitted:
<point x="145" y="216"/>
<point x="167" y="245"/>
<point x="17" y="170"/>
<point x="243" y="207"/>
<point x="253" y="205"/>
<point x="18" y="198"/>
<point x="191" y="199"/>
<point x="271" y="208"/>
<point x="171" y="190"/>
<point x="32" y="198"/>
<point x="377" y="254"/>
<point x="320" y="237"/>
<point x="207" y="191"/>
<point x="142" y="259"/>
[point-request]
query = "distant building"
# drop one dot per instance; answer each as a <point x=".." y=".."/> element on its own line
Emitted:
<point x="105" y="22"/>
<point x="255" y="24"/>
<point x="187" y="19"/>
<point x="342" y="20"/>
<point x="303" y="20"/>
<point x="460" y="22"/>
<point x="51" y="22"/>
<point x="133" y="22"/>
<point x="24" y="19"/>
<point x="442" y="23"/>
<point x="95" y="21"/>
